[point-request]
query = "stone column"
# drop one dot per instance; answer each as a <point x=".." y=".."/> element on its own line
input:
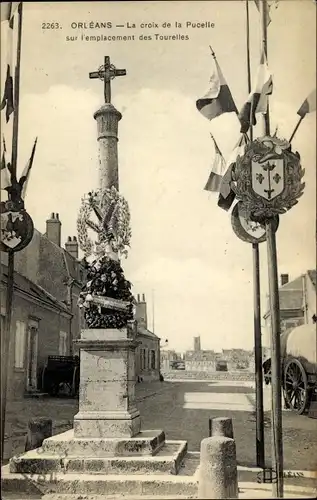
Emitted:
<point x="107" y="118"/>
<point x="107" y="384"/>
<point x="217" y="475"/>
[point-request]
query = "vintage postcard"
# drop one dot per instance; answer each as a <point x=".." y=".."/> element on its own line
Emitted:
<point x="158" y="249"/>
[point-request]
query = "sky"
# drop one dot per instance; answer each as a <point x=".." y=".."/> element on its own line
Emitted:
<point x="183" y="253"/>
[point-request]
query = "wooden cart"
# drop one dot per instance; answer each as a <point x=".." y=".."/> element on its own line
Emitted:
<point x="61" y="372"/>
<point x="299" y="367"/>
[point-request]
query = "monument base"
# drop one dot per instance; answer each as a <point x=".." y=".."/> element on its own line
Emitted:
<point x="107" y="424"/>
<point x="146" y="453"/>
<point x="145" y="443"/>
<point x="69" y="486"/>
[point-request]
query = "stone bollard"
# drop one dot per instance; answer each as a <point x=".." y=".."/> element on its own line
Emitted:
<point x="221" y="426"/>
<point x="218" y="476"/>
<point x="38" y="430"/>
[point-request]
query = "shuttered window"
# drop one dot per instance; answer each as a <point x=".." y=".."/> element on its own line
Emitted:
<point x="19" y="346"/>
<point x="62" y="343"/>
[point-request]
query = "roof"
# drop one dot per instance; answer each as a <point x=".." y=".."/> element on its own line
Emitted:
<point x="291" y="294"/>
<point x="291" y="299"/>
<point x="147" y="333"/>
<point x="23" y="284"/>
<point x="48" y="266"/>
<point x="312" y="276"/>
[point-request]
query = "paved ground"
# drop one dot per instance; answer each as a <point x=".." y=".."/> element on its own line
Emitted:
<point x="182" y="410"/>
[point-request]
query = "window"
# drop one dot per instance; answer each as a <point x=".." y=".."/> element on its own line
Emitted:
<point x="19" y="346"/>
<point x="152" y="360"/>
<point x="62" y="349"/>
<point x="146" y="359"/>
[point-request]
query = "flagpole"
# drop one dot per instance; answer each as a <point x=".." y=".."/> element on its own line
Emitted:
<point x="276" y="408"/>
<point x="260" y="447"/>
<point x="10" y="279"/>
<point x="296" y="128"/>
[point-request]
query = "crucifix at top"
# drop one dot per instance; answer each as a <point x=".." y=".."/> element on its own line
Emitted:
<point x="107" y="72"/>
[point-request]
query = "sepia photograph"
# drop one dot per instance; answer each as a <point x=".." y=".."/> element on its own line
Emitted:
<point x="158" y="250"/>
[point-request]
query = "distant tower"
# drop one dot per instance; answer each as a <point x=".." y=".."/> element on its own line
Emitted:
<point x="197" y="346"/>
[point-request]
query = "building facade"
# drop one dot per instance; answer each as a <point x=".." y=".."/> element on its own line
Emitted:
<point x="167" y="357"/>
<point x="227" y="360"/>
<point x="147" y="355"/>
<point x="45" y="316"/>
<point x="297" y="302"/>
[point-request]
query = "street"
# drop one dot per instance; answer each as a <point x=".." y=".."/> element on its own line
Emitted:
<point x="182" y="410"/>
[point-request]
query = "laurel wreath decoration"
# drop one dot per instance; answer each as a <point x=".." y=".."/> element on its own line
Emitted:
<point x="112" y="228"/>
<point x="262" y="150"/>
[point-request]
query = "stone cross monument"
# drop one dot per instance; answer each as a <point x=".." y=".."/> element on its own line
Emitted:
<point x="107" y="437"/>
<point x="107" y="389"/>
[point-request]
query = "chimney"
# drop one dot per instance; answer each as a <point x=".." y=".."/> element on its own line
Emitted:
<point x="71" y="246"/>
<point x="140" y="311"/>
<point x="53" y="229"/>
<point x="284" y="279"/>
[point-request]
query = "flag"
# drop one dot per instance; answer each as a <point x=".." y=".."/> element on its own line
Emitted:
<point x="7" y="99"/>
<point x="268" y="8"/>
<point x="217" y="170"/>
<point x="258" y="98"/>
<point x="8" y="10"/>
<point x="26" y="172"/>
<point x="5" y="168"/>
<point x="226" y="193"/>
<point x="309" y="105"/>
<point x="218" y="99"/>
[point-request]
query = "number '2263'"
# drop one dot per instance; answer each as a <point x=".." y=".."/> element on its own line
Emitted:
<point x="50" y="26"/>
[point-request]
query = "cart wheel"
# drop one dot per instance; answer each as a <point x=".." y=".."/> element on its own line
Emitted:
<point x="296" y="391"/>
<point x="75" y="382"/>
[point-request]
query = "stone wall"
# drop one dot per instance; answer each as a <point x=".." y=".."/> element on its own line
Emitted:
<point x="244" y="376"/>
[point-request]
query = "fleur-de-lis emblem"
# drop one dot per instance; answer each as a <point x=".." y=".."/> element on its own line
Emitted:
<point x="260" y="178"/>
<point x="277" y="178"/>
<point x="268" y="167"/>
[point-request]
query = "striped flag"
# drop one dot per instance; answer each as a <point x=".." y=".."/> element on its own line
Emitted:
<point x="218" y="99"/>
<point x="5" y="168"/>
<point x="8" y="10"/>
<point x="24" y="179"/>
<point x="217" y="170"/>
<point x="258" y="98"/>
<point x="226" y="193"/>
<point x="309" y="105"/>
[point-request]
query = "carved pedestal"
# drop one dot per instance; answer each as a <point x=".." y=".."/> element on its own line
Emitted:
<point x="107" y="385"/>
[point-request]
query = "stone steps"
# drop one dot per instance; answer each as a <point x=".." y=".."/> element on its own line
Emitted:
<point x="168" y="460"/>
<point x="184" y="484"/>
<point x="65" y="444"/>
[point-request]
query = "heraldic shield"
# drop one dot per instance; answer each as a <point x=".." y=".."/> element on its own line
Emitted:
<point x="268" y="177"/>
<point x="16" y="230"/>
